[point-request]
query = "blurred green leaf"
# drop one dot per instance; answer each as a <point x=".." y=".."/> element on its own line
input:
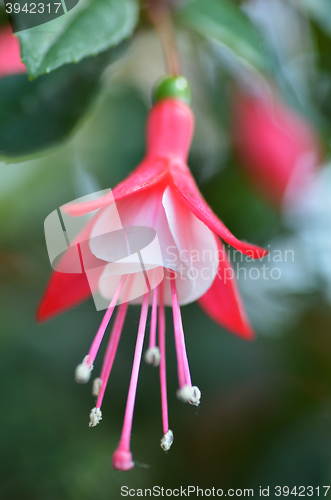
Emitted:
<point x="320" y="10"/>
<point x="111" y="142"/>
<point x="38" y="114"/>
<point x="223" y="21"/>
<point x="86" y="30"/>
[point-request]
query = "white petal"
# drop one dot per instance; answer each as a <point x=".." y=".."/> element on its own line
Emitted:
<point x="164" y="213"/>
<point x="196" y="245"/>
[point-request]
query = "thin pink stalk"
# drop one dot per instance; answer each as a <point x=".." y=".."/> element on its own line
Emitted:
<point x="104" y="323"/>
<point x="119" y="320"/>
<point x="184" y="377"/>
<point x="124" y="445"/>
<point x="185" y="358"/>
<point x="152" y="333"/>
<point x="111" y="350"/>
<point x="163" y="378"/>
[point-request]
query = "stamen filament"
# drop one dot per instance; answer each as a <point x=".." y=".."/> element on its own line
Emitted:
<point x="186" y="392"/>
<point x="111" y="350"/>
<point x="122" y="458"/>
<point x="152" y="334"/>
<point x="163" y="379"/>
<point x="104" y="323"/>
<point x="184" y="377"/>
<point x="152" y="355"/>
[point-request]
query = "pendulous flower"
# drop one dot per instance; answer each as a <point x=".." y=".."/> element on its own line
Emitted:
<point x="160" y="194"/>
<point x="278" y="148"/>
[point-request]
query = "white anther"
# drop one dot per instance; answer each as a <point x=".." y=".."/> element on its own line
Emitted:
<point x="184" y="394"/>
<point x="97" y="383"/>
<point x="195" y="396"/>
<point x="167" y="440"/>
<point x="152" y="356"/>
<point x="95" y="417"/>
<point x="83" y="372"/>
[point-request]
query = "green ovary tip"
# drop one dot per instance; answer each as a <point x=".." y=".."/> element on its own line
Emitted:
<point x="176" y="87"/>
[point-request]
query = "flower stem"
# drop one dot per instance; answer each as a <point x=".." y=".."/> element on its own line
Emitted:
<point x="160" y="16"/>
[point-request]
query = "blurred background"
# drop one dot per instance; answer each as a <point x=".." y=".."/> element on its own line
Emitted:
<point x="261" y="158"/>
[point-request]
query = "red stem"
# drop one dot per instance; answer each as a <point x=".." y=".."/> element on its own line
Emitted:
<point x="161" y="18"/>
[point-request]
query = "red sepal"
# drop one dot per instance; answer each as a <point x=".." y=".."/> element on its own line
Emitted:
<point x="188" y="191"/>
<point x="222" y="302"/>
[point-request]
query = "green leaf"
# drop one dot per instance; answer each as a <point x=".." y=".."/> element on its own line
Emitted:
<point x="90" y="28"/>
<point x="222" y="20"/>
<point x="38" y="114"/>
<point x="112" y="141"/>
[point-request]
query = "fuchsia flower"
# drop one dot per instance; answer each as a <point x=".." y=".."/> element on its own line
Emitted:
<point x="162" y="194"/>
<point x="277" y="147"/>
<point x="10" y="54"/>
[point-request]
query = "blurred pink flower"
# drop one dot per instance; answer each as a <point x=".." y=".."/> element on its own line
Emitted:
<point x="278" y="148"/>
<point x="10" y="54"/>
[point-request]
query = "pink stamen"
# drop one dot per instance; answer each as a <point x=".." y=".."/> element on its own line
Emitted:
<point x="163" y="379"/>
<point x="122" y="457"/>
<point x="104" y="323"/>
<point x="152" y="333"/>
<point x="111" y="350"/>
<point x="184" y="377"/>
